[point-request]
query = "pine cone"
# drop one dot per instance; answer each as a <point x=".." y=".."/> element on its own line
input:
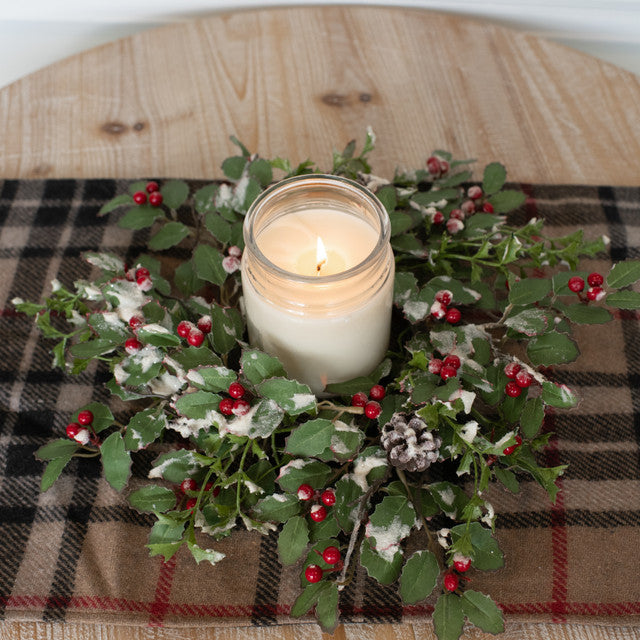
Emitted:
<point x="409" y="443"/>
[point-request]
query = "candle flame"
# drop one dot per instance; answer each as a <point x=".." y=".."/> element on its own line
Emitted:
<point x="321" y="255"/>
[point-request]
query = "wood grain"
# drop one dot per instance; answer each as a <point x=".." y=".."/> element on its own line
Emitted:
<point x="296" y="82"/>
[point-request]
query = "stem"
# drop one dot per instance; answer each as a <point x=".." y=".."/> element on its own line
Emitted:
<point x="240" y="467"/>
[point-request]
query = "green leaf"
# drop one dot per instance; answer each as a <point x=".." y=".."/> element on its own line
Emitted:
<point x="153" y="498"/>
<point x="448" y="618"/>
<point x="140" y="217"/>
<point x="558" y="395"/>
<point x="260" y="422"/>
<point x="53" y="470"/>
<point x="204" y="199"/>
<point x="507" y="200"/>
<point x="227" y="328"/>
<point x="93" y="348"/>
<point x="530" y="322"/>
<point x="278" y="507"/>
<point x="145" y="427"/>
<point x="116" y="461"/>
<point x="623" y="274"/>
<point x="307" y="599"/>
<point x="260" y="169"/>
<point x="174" y="193"/>
<point x="405" y="287"/>
<point x="462" y="294"/>
<point x="186" y="278"/>
<point x="486" y="554"/>
<point x="170" y="235"/>
<point x="350" y="387"/>
<point x="233" y="167"/>
<point x="258" y="366"/>
<point x="624" y="299"/>
<point x="449" y="497"/>
<point x="552" y="348"/>
<point x="109" y="327"/>
<point x="295" y="398"/>
<point x="508" y="479"/>
<point x="419" y="576"/>
<point x="532" y="417"/>
<point x="175" y="466"/>
<point x="393" y="512"/>
<point x="427" y="198"/>
<point x="158" y="336"/>
<point x="378" y="567"/>
<point x="114" y="203"/>
<point x="529" y="290"/>
<point x="387" y="195"/>
<point x="588" y="314"/>
<point x="197" y="405"/>
<point x="193" y="357"/>
<point x="165" y="549"/>
<point x="293" y="540"/>
<point x="61" y="448"/>
<point x="216" y="378"/>
<point x="310" y="438"/>
<point x="494" y="178"/>
<point x="300" y="472"/>
<point x="482" y="611"/>
<point x="219" y="228"/>
<point x="208" y="264"/>
<point x="345" y="510"/>
<point x="327" y="607"/>
<point x="199" y="554"/>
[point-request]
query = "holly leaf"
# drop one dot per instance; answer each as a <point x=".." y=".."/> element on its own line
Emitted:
<point x="552" y="348"/>
<point x="116" y="461"/>
<point x="114" y="203"/>
<point x="530" y="322"/>
<point x="558" y="395"/>
<point x="215" y="378"/>
<point x="61" y="448"/>
<point x="153" y="498"/>
<point x="623" y="274"/>
<point x="311" y="438"/>
<point x="327" y="607"/>
<point x="93" y="348"/>
<point x="53" y="470"/>
<point x="448" y="618"/>
<point x="508" y="479"/>
<point x="507" y="200"/>
<point x="587" y="314"/>
<point x="186" y="278"/>
<point x="529" y="290"/>
<point x="307" y="599"/>
<point x="293" y="540"/>
<point x="208" y="264"/>
<point x="199" y="554"/>
<point x="494" y="178"/>
<point x="300" y="471"/>
<point x="174" y="193"/>
<point x="292" y="396"/>
<point x="197" y="405"/>
<point x="482" y="611"/>
<point x="175" y="466"/>
<point x="233" y="167"/>
<point x="486" y="553"/>
<point x="419" y="576"/>
<point x="350" y="387"/>
<point x="145" y="427"/>
<point x="532" y="417"/>
<point x="158" y="336"/>
<point x="624" y="300"/>
<point x="405" y="287"/>
<point x="204" y="199"/>
<point x="140" y="217"/>
<point x="278" y="507"/>
<point x="171" y="234"/>
<point x="384" y="571"/>
<point x="227" y="328"/>
<point x="348" y="496"/>
<point x="219" y="228"/>
<point x="258" y="366"/>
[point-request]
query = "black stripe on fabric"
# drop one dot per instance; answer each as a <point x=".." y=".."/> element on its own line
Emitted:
<point x="267" y="582"/>
<point x="617" y="233"/>
<point x="606" y="427"/>
<point x="15" y="537"/>
<point x="381" y="603"/>
<point x="600" y="465"/>
<point x="7" y="195"/>
<point x="573" y="518"/>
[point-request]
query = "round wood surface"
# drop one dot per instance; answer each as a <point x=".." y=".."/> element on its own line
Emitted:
<point x="298" y="82"/>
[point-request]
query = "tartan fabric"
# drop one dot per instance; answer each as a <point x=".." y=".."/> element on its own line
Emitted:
<point x="76" y="553"/>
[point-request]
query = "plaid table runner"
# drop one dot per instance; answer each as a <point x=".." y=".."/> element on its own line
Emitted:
<point x="76" y="553"/>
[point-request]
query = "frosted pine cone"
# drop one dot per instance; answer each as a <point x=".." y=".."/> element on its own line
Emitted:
<point x="409" y="443"/>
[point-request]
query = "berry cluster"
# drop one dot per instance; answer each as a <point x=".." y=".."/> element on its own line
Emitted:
<point x="142" y="277"/>
<point x="82" y="431"/>
<point x="440" y="308"/>
<point x="519" y="379"/>
<point x="188" y="486"/>
<point x="332" y="556"/>
<point x="447" y="368"/>
<point x="475" y="202"/>
<point x="371" y="404"/>
<point x="461" y="564"/>
<point x="155" y="197"/>
<point x="594" y="293"/>
<point x="236" y="404"/>
<point x="317" y="512"/>
<point x="195" y="333"/>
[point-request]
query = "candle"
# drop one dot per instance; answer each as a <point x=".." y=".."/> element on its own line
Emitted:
<point x="317" y="277"/>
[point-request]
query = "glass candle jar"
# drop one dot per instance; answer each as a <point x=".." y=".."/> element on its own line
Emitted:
<point x="317" y="278"/>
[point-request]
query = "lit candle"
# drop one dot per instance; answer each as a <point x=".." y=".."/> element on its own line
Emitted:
<point x="317" y="277"/>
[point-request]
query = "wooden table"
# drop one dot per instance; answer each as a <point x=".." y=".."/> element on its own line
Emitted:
<point x="295" y="83"/>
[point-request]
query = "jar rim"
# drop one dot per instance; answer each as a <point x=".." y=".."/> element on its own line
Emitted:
<point x="347" y="185"/>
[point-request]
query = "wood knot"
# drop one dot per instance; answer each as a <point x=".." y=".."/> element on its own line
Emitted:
<point x="335" y="99"/>
<point x="114" y="128"/>
<point x="365" y="97"/>
<point x="138" y="126"/>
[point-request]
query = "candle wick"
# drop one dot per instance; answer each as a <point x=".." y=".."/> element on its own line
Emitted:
<point x="319" y="266"/>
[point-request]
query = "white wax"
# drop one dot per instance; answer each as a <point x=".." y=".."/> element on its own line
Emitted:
<point x="320" y="344"/>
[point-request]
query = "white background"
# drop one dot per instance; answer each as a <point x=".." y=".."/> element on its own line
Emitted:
<point x="35" y="33"/>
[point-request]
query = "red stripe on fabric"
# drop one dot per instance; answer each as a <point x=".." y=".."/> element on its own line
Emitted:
<point x="10" y="313"/>
<point x="626" y="314"/>
<point x="163" y="591"/>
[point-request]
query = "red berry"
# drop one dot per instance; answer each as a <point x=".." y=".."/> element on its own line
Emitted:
<point x="438" y="310"/>
<point x="453" y="316"/>
<point x="595" y="293"/>
<point x="139" y="197"/>
<point x="454" y="225"/>
<point x="435" y="365"/>
<point x="205" y="324"/>
<point x="328" y="497"/>
<point x="444" y="165"/>
<point x="377" y="392"/>
<point x="433" y="165"/>
<point x="457" y="214"/>
<point x="184" y="328"/>
<point x="372" y="409"/>
<point x="512" y="389"/>
<point x="487" y="207"/>
<point x="576" y="284"/>
<point x="474" y="192"/>
<point x="142" y="272"/>
<point x="72" y="430"/>
<point x="305" y="492"/>
<point x="240" y="407"/>
<point x="144" y="283"/>
<point x="191" y="503"/>
<point x="236" y="390"/>
<point x="313" y="573"/>
<point x="452" y="361"/>
<point x="331" y="555"/>
<point x="438" y="217"/>
<point x="523" y="379"/>
<point x="135" y="322"/>
<point x="461" y="563"/>
<point x="225" y="406"/>
<point x="468" y="206"/>
<point x="155" y="198"/>
<point x="444" y="296"/>
<point x="509" y="450"/>
<point x="448" y="371"/>
<point x="511" y="370"/>
<point x="195" y="337"/>
<point x="85" y="417"/>
<point x="132" y="345"/>
<point x="188" y="484"/>
<point x="318" y="513"/>
<point x="151" y="186"/>
<point x="451" y="582"/>
<point x="595" y="279"/>
<point x="359" y="399"/>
